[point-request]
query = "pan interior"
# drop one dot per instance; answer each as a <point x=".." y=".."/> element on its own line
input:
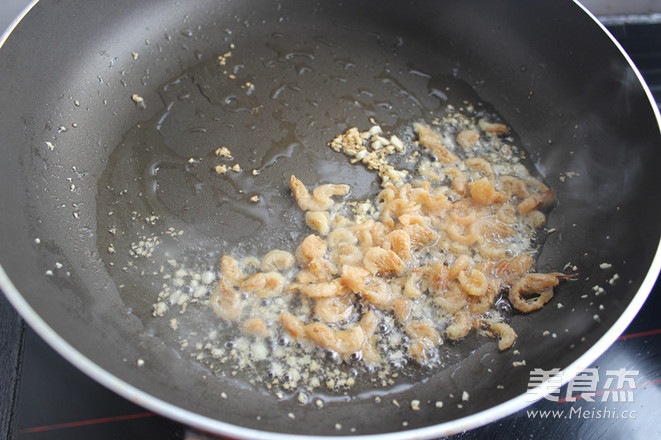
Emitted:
<point x="118" y="153"/>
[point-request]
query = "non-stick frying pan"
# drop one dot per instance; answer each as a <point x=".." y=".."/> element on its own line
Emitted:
<point x="103" y="104"/>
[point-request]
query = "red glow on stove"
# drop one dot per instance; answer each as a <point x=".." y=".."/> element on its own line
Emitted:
<point x="85" y="422"/>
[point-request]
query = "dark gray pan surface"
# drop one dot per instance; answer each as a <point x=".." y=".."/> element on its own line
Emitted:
<point x="319" y="68"/>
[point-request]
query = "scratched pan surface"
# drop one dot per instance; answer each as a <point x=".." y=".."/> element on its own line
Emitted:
<point x="86" y="167"/>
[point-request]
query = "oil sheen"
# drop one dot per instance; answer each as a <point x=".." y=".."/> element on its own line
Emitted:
<point x="207" y="175"/>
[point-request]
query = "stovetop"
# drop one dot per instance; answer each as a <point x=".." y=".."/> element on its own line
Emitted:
<point x="44" y="397"/>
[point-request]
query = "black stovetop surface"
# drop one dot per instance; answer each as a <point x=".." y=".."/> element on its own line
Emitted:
<point x="44" y="397"/>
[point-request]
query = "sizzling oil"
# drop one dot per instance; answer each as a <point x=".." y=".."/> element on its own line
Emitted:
<point x="164" y="210"/>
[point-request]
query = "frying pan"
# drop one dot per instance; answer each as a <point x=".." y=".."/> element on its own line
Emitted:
<point x="104" y="104"/>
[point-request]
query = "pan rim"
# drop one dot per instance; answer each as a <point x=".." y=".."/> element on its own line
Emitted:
<point x="10" y="28"/>
<point x="192" y="419"/>
<point x="189" y="418"/>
